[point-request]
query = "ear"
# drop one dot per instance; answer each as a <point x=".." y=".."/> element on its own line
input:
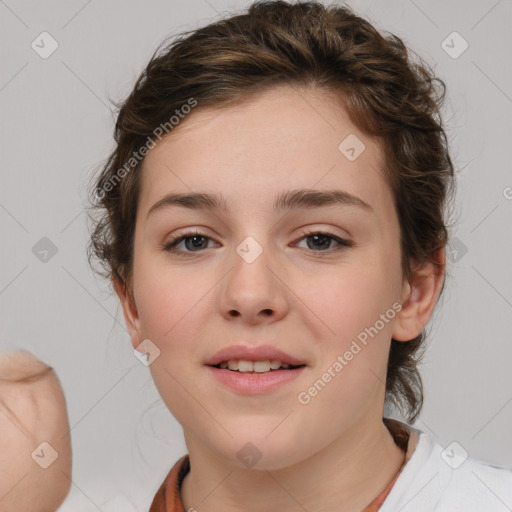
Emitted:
<point x="131" y="315"/>
<point x="419" y="297"/>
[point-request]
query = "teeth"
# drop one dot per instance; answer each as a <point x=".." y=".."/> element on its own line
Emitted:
<point x="244" y="366"/>
<point x="260" y="366"/>
<point x="233" y="364"/>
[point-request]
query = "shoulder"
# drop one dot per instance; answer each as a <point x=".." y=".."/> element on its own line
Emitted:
<point x="476" y="485"/>
<point x="437" y="479"/>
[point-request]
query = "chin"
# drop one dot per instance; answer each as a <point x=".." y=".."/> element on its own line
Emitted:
<point x="252" y="449"/>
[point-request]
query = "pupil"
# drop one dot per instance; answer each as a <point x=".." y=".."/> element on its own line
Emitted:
<point x="321" y="237"/>
<point x="195" y="238"/>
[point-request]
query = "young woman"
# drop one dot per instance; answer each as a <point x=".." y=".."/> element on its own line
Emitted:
<point x="272" y="220"/>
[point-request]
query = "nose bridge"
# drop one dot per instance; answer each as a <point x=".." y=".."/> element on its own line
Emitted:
<point x="252" y="262"/>
<point x="250" y="250"/>
<point x="252" y="289"/>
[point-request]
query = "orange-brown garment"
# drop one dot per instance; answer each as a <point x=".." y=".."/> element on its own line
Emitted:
<point x="168" y="499"/>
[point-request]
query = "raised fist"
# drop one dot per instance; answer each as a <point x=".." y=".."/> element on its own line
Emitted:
<point x="35" y="447"/>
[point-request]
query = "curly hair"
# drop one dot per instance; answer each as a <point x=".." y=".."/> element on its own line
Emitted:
<point x="385" y="91"/>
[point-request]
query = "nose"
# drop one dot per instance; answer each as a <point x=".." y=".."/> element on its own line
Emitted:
<point x="254" y="290"/>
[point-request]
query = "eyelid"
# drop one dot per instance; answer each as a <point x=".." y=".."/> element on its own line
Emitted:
<point x="186" y="233"/>
<point x="341" y="241"/>
<point x="326" y="231"/>
<point x="190" y="231"/>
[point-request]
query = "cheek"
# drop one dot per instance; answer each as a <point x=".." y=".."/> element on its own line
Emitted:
<point x="168" y="298"/>
<point x="355" y="306"/>
<point x="174" y="306"/>
<point x="349" y="300"/>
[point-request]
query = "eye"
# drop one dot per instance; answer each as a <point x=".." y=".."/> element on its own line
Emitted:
<point x="322" y="240"/>
<point x="193" y="241"/>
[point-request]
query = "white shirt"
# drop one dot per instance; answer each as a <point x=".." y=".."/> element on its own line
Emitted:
<point x="446" y="480"/>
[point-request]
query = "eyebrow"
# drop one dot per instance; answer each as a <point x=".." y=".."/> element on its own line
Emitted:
<point x="293" y="199"/>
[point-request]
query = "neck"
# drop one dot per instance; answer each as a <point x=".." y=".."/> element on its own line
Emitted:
<point x="346" y="476"/>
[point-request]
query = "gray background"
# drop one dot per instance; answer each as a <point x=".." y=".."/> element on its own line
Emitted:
<point x="57" y="127"/>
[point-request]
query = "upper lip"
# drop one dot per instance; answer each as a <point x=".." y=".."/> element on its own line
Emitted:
<point x="255" y="353"/>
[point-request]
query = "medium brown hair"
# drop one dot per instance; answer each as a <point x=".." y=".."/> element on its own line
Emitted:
<point x="387" y="94"/>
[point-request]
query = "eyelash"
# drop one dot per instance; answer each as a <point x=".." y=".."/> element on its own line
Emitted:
<point x="170" y="246"/>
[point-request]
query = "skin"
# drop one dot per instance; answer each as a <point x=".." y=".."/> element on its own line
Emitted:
<point x="309" y="300"/>
<point x="32" y="411"/>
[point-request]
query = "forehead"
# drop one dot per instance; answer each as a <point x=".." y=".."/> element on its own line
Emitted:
<point x="284" y="138"/>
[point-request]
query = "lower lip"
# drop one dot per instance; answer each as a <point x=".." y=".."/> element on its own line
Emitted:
<point x="255" y="383"/>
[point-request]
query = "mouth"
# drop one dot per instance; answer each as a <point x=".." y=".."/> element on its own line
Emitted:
<point x="258" y="359"/>
<point x="255" y="370"/>
<point x="263" y="377"/>
<point x="255" y="367"/>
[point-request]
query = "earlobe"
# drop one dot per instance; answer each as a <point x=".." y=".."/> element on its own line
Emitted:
<point x="130" y="312"/>
<point x="420" y="294"/>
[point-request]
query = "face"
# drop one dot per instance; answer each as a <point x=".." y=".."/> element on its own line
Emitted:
<point x="320" y="280"/>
